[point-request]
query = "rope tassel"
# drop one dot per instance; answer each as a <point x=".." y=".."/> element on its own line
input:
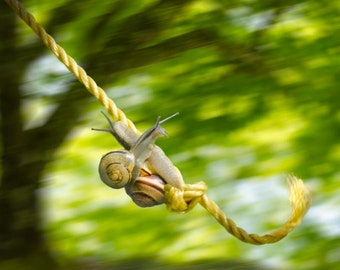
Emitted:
<point x="177" y="200"/>
<point x="183" y="201"/>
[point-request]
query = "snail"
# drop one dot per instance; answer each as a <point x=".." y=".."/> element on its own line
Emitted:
<point x="142" y="168"/>
<point x="146" y="191"/>
<point x="116" y="167"/>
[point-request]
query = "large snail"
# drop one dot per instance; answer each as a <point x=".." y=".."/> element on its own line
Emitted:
<point x="142" y="168"/>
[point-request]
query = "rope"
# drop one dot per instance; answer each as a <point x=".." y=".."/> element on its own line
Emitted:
<point x="71" y="65"/>
<point x="177" y="200"/>
<point x="183" y="201"/>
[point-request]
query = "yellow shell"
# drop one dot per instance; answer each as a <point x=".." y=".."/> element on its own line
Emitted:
<point x="115" y="168"/>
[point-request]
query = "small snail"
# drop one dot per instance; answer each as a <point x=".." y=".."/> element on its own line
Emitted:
<point x="116" y="168"/>
<point x="142" y="168"/>
<point x="147" y="190"/>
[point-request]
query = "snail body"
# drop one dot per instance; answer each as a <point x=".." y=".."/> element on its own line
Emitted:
<point x="142" y="168"/>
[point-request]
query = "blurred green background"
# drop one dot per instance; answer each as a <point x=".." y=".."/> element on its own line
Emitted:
<point x="256" y="85"/>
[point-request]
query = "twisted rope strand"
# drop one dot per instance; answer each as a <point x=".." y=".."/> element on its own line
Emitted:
<point x="300" y="200"/>
<point x="71" y="65"/>
<point x="176" y="200"/>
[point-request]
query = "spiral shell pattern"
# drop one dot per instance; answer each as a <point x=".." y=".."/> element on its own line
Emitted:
<point x="147" y="191"/>
<point x="115" y="168"/>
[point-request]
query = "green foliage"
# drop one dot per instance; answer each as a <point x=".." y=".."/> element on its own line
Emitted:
<point x="255" y="83"/>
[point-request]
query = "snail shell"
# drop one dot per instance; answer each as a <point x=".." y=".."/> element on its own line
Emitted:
<point x="145" y="151"/>
<point x="130" y="168"/>
<point x="147" y="191"/>
<point x="115" y="168"/>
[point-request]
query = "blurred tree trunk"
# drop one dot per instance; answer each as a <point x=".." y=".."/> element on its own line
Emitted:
<point x="21" y="240"/>
<point x="25" y="153"/>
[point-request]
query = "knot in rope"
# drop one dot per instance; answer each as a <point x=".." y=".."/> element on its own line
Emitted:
<point x="183" y="200"/>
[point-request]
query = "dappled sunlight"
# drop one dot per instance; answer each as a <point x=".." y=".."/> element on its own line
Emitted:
<point x="288" y="76"/>
<point x="279" y="127"/>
